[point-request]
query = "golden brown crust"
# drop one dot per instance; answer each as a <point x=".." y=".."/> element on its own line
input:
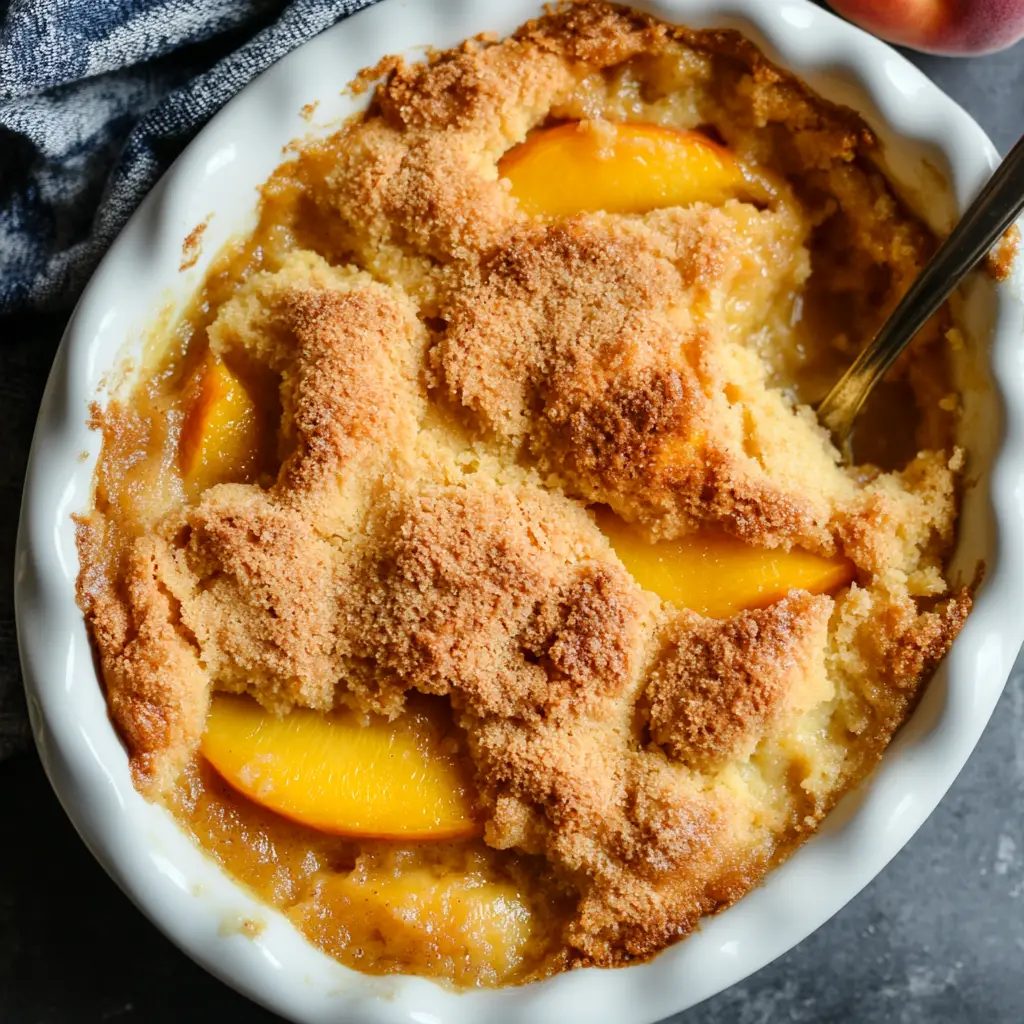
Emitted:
<point x="596" y="34"/>
<point x="907" y="643"/>
<point x="571" y="340"/>
<point x="721" y="685"/>
<point x="445" y="420"/>
<point x="638" y="840"/>
<point x="472" y="597"/>
<point x="259" y="602"/>
<point x="157" y="689"/>
<point x="468" y="89"/>
<point x="350" y="387"/>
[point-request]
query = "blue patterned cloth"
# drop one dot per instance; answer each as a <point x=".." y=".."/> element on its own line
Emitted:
<point x="97" y="97"/>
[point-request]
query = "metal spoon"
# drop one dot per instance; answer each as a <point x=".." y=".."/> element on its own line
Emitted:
<point x="996" y="208"/>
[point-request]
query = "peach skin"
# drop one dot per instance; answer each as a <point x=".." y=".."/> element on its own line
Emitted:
<point x="952" y="27"/>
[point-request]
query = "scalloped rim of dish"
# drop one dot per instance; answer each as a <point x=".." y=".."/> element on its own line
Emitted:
<point x="181" y="890"/>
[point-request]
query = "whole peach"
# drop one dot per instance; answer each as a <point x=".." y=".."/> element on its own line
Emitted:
<point x="956" y="27"/>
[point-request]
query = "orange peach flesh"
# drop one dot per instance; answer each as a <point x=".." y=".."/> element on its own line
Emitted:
<point x="619" y="168"/>
<point x="219" y="432"/>
<point x="339" y="773"/>
<point x="717" y="575"/>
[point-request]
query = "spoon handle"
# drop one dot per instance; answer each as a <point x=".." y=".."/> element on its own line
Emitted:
<point x="997" y="206"/>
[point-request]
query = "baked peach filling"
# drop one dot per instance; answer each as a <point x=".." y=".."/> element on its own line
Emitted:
<point x="620" y="168"/>
<point x="219" y="433"/>
<point x="341" y="774"/>
<point x="717" y="575"/>
<point x="218" y="440"/>
<point x="467" y="575"/>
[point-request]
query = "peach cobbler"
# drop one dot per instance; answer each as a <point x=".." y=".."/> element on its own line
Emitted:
<point x="469" y="574"/>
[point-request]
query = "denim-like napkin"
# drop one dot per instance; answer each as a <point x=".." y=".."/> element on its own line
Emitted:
<point x="97" y="97"/>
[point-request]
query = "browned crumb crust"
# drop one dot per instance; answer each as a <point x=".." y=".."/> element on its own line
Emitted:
<point x="717" y="687"/>
<point x="603" y="726"/>
<point x="568" y="341"/>
<point x="907" y="643"/>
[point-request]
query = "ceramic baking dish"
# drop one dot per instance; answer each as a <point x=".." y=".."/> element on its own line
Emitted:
<point x="937" y="155"/>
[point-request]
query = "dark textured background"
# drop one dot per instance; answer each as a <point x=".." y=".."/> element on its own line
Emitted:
<point x="937" y="939"/>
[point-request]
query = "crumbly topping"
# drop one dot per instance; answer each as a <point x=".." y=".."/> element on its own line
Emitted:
<point x="719" y="687"/>
<point x="474" y="597"/>
<point x="451" y="408"/>
<point x="584" y="346"/>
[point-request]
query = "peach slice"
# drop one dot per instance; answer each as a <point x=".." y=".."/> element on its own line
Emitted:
<point x="219" y="438"/>
<point x="717" y="575"/>
<point x="618" y="168"/>
<point x="340" y="774"/>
